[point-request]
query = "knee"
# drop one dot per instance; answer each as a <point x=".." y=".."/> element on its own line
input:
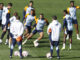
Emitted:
<point x="57" y="48"/>
<point x="51" y="47"/>
<point x="20" y="47"/>
<point x="12" y="47"/>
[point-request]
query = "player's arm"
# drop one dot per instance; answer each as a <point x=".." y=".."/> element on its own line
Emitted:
<point x="77" y="7"/>
<point x="64" y="24"/>
<point x="24" y="13"/>
<point x="47" y="23"/>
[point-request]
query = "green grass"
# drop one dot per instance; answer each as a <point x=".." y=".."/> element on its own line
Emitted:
<point x="49" y="8"/>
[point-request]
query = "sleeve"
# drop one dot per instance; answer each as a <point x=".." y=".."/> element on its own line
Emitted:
<point x="36" y="19"/>
<point x="21" y="30"/>
<point x="68" y="10"/>
<point x="77" y="7"/>
<point x="64" y="23"/>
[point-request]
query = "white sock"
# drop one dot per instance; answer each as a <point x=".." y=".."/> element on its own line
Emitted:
<point x="63" y="45"/>
<point x="70" y="46"/>
<point x="6" y="40"/>
<point x="77" y="35"/>
<point x="36" y="40"/>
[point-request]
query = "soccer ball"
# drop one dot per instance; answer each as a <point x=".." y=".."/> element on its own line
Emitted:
<point x="25" y="53"/>
<point x="36" y="44"/>
<point x="16" y="53"/>
<point x="48" y="55"/>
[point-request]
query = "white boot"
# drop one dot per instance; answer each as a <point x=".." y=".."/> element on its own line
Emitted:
<point x="63" y="48"/>
<point x="78" y="38"/>
<point x="0" y="41"/>
<point x="6" y="43"/>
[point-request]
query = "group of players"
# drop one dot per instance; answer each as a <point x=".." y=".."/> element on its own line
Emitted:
<point x="31" y="24"/>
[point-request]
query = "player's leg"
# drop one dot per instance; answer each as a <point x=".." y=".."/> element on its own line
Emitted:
<point x="64" y="40"/>
<point x="57" y="48"/>
<point x="20" y="48"/>
<point x="26" y="32"/>
<point x="76" y="27"/>
<point x="12" y="47"/>
<point x="41" y="33"/>
<point x="51" y="45"/>
<point x="3" y="33"/>
<point x="8" y="35"/>
<point x="70" y="38"/>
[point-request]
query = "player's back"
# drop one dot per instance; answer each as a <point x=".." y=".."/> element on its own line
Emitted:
<point x="69" y="22"/>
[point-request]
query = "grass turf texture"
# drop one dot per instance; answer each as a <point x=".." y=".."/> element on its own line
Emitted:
<point x="49" y="8"/>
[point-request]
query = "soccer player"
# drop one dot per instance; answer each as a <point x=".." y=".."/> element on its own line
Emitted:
<point x="5" y="18"/>
<point x="68" y="28"/>
<point x="39" y="28"/>
<point x="53" y="31"/>
<point x="30" y="18"/>
<point x="1" y="10"/>
<point x="27" y="10"/>
<point x="16" y="32"/>
<point x="11" y="20"/>
<point x="72" y="11"/>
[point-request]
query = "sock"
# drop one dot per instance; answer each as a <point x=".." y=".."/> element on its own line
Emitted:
<point x="51" y="50"/>
<point x="77" y="35"/>
<point x="63" y="45"/>
<point x="11" y="52"/>
<point x="36" y="40"/>
<point x="57" y="49"/>
<point x="6" y="40"/>
<point x="3" y="35"/>
<point x="20" y="50"/>
<point x="70" y="45"/>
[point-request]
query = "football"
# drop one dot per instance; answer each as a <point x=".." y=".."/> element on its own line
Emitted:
<point x="36" y="44"/>
<point x="16" y="53"/>
<point x="25" y="53"/>
<point x="48" y="55"/>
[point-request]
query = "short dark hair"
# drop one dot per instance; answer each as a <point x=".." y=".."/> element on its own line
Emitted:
<point x="71" y="1"/>
<point x="42" y="14"/>
<point x="33" y="12"/>
<point x="15" y="13"/>
<point x="2" y="4"/>
<point x="18" y="17"/>
<point x="10" y="4"/>
<point x="31" y="2"/>
<point x="65" y="11"/>
<point x="54" y="17"/>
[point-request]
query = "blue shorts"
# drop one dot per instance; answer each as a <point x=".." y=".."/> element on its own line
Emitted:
<point x="68" y="32"/>
<point x="3" y="26"/>
<point x="75" y="21"/>
<point x="29" y="28"/>
<point x="55" y="43"/>
<point x="35" y="31"/>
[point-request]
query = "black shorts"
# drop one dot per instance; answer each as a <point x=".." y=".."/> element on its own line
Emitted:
<point x="75" y="21"/>
<point x="69" y="32"/>
<point x="29" y="28"/>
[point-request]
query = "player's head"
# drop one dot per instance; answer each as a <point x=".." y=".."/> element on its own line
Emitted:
<point x="17" y="17"/>
<point x="1" y="5"/>
<point x="41" y="16"/>
<point x="72" y="3"/>
<point x="54" y="17"/>
<point x="65" y="12"/>
<point x="10" y="5"/>
<point x="31" y="3"/>
<point x="15" y="14"/>
<point x="32" y="12"/>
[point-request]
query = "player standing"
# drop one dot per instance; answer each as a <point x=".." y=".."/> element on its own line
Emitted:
<point x="72" y="11"/>
<point x="5" y="18"/>
<point x="16" y="32"/>
<point x="68" y="28"/>
<point x="1" y="10"/>
<point x="53" y="31"/>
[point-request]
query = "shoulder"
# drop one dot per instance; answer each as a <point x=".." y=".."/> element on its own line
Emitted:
<point x="25" y="8"/>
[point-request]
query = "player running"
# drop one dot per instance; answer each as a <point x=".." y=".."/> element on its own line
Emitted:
<point x="5" y="18"/>
<point x="30" y="18"/>
<point x="1" y="10"/>
<point x="16" y="32"/>
<point x="27" y="10"/>
<point x="68" y="28"/>
<point x="39" y="28"/>
<point x="72" y="11"/>
<point x="53" y="31"/>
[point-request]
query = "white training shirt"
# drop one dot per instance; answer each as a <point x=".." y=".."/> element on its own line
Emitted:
<point x="16" y="28"/>
<point x="4" y="14"/>
<point x="29" y="20"/>
<point x="55" y="27"/>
